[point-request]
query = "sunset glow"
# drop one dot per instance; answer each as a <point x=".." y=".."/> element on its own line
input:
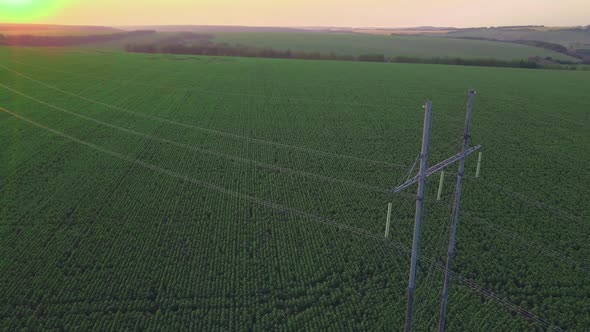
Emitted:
<point x="346" y="13"/>
<point x="30" y="11"/>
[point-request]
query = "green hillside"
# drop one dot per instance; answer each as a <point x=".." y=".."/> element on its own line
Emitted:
<point x="417" y="46"/>
<point x="577" y="38"/>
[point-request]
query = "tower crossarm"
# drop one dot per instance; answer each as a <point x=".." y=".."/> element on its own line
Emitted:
<point x="436" y="168"/>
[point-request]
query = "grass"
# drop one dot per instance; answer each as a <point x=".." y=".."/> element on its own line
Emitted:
<point x="136" y="192"/>
<point x="357" y="44"/>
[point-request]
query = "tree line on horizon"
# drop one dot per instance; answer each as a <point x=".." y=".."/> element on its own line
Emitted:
<point x="56" y="41"/>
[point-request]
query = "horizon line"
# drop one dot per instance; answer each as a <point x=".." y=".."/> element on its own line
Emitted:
<point x="301" y="26"/>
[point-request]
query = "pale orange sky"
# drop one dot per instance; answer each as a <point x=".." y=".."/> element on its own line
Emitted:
<point x="348" y="13"/>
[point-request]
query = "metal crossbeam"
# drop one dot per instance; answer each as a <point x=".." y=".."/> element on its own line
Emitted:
<point x="437" y="168"/>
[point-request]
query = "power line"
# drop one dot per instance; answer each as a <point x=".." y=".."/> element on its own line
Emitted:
<point x="206" y="151"/>
<point x="278" y="207"/>
<point x="141" y="114"/>
<point x="218" y="132"/>
<point x="430" y="277"/>
<point x="237" y="94"/>
<point x="501" y="166"/>
<point x="532" y="201"/>
<point x="143" y="70"/>
<point x="542" y="248"/>
<point x="483" y="291"/>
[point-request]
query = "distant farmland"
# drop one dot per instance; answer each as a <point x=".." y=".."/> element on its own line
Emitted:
<point x="415" y="46"/>
<point x="575" y="38"/>
<point x="54" y="30"/>
<point x="151" y="192"/>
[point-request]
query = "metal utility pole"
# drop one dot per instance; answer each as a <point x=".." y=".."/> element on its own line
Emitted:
<point x="445" y="292"/>
<point x="419" y="212"/>
<point x="421" y="180"/>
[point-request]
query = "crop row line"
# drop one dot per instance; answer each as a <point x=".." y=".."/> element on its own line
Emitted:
<point x="194" y="127"/>
<point x="202" y="150"/>
<point x="513" y="307"/>
<point x="224" y="93"/>
<point x="542" y="248"/>
<point x="529" y="200"/>
<point x="167" y="141"/>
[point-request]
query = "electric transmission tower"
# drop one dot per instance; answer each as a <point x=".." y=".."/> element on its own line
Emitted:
<point x="423" y="173"/>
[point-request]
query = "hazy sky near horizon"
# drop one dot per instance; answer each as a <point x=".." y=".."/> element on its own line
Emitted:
<point x="346" y="13"/>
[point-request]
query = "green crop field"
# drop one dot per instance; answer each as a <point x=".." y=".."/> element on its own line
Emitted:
<point x="416" y="46"/>
<point x="160" y="192"/>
